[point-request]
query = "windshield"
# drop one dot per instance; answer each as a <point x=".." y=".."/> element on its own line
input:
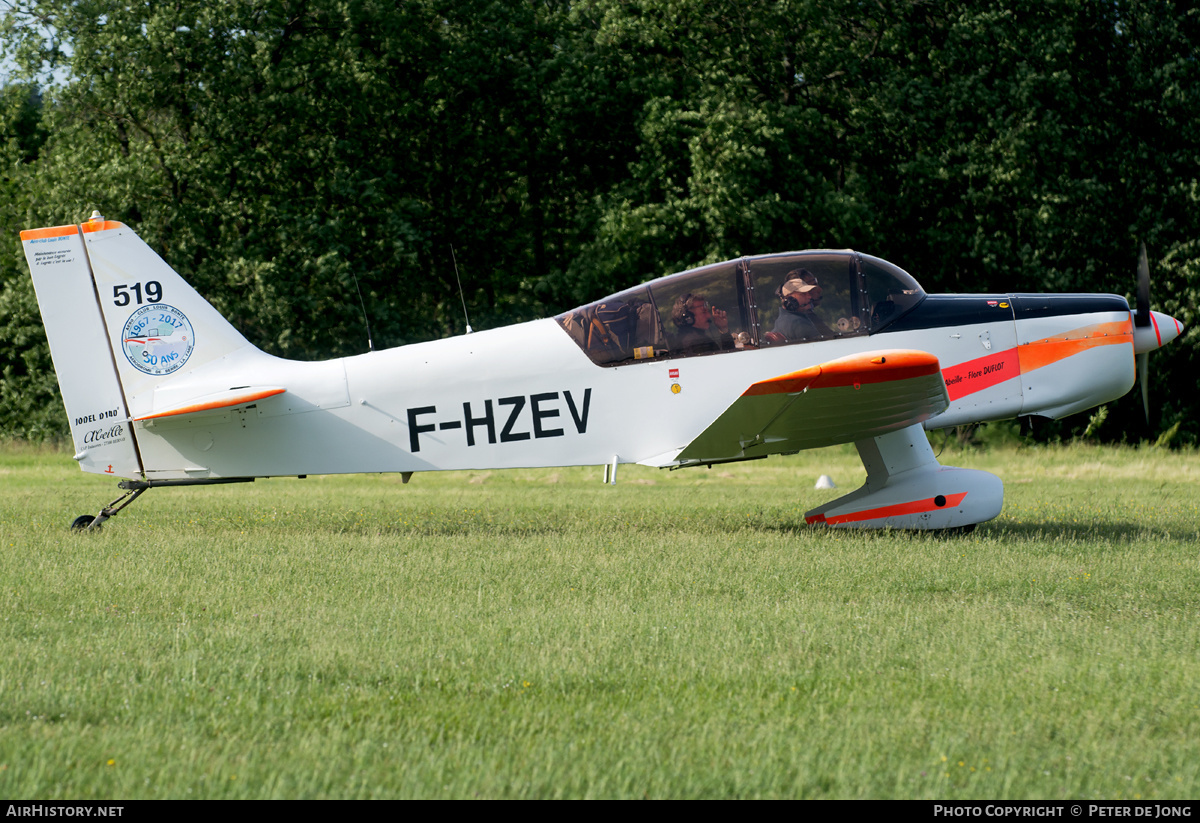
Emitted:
<point x="891" y="291"/>
<point x="739" y="305"/>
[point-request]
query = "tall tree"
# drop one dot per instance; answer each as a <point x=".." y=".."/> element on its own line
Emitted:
<point x="283" y="154"/>
<point x="30" y="407"/>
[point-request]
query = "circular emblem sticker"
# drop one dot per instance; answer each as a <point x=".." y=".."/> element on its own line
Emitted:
<point x="157" y="339"/>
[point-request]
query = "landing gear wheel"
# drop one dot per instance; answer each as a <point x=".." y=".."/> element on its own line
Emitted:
<point x="92" y="523"/>
<point x="81" y="522"/>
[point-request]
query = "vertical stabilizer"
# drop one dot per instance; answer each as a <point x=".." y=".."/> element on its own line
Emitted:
<point x="160" y="329"/>
<point x="79" y="345"/>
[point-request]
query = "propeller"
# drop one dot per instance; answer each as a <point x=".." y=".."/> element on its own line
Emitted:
<point x="1151" y="329"/>
<point x="1142" y="319"/>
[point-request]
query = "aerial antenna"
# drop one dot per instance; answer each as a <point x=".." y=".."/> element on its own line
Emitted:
<point x="461" y="296"/>
<point x="370" y="343"/>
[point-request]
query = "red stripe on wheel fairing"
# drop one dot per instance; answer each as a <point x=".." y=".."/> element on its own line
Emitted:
<point x="929" y="504"/>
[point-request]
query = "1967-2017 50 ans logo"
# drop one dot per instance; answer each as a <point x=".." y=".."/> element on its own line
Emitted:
<point x="158" y="339"/>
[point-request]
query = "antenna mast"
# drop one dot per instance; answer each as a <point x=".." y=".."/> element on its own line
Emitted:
<point x="367" y="323"/>
<point x="461" y="296"/>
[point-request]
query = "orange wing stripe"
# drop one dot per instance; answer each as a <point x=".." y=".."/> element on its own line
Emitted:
<point x="869" y="367"/>
<point x="224" y="402"/>
<point x="796" y="381"/>
<point x="876" y="367"/>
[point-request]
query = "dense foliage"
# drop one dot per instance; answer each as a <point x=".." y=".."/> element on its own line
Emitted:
<point x="279" y="153"/>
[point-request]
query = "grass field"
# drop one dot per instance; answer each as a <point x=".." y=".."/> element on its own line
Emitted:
<point x="537" y="634"/>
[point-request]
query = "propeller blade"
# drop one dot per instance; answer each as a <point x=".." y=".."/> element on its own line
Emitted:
<point x="1142" y="318"/>
<point x="1143" y="368"/>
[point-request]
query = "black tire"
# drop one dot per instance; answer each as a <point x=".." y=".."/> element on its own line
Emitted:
<point x="82" y="522"/>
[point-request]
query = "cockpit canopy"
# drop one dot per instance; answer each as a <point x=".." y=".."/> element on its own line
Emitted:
<point x="749" y="303"/>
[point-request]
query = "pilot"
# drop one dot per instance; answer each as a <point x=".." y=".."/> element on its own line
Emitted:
<point x="799" y="296"/>
<point x="696" y="320"/>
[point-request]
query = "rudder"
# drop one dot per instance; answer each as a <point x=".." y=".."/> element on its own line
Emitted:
<point x="83" y="360"/>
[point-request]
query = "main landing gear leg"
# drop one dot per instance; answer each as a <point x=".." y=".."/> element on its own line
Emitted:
<point x="133" y="490"/>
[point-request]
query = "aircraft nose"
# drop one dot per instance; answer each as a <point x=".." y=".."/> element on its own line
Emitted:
<point x="1162" y="330"/>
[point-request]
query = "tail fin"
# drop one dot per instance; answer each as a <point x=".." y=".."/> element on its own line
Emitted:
<point x="120" y="322"/>
<point x="157" y="324"/>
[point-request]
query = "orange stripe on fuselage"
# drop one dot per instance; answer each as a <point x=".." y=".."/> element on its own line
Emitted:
<point x="975" y="375"/>
<point x="869" y="367"/>
<point x="52" y="231"/>
<point x="913" y="507"/>
<point x="1048" y="350"/>
<point x="971" y="376"/>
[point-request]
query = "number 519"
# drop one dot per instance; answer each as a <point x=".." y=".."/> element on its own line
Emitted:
<point x="153" y="292"/>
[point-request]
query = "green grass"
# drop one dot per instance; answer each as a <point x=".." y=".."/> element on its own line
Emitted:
<point x="537" y="634"/>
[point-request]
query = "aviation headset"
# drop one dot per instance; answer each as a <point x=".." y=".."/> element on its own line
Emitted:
<point x="789" y="302"/>
<point x="681" y="313"/>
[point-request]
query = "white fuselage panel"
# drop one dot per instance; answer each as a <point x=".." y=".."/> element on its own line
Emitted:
<point x="526" y="396"/>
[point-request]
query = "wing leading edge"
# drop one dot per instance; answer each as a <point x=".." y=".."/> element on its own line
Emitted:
<point x="841" y="401"/>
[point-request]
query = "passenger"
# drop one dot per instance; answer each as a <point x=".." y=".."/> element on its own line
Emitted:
<point x="799" y="296"/>
<point x="617" y="322"/>
<point x="695" y="319"/>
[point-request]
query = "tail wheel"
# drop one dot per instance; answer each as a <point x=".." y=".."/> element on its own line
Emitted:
<point x="82" y="522"/>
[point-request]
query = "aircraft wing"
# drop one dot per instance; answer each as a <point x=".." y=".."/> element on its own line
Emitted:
<point x="847" y="399"/>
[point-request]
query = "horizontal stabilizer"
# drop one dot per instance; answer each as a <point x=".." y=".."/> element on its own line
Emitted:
<point x="240" y="396"/>
<point x="841" y="401"/>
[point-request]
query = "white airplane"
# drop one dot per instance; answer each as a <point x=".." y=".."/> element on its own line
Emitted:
<point x="733" y="361"/>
